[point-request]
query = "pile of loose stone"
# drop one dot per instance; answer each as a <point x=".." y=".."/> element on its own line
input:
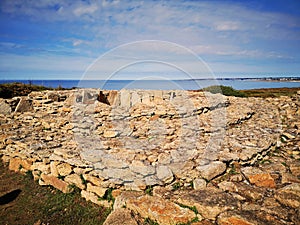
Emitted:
<point x="170" y="156"/>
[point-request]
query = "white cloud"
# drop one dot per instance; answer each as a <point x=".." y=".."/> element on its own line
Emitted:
<point x="85" y="9"/>
<point x="227" y="26"/>
<point x="213" y="28"/>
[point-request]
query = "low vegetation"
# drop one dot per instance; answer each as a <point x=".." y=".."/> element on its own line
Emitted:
<point x="45" y="204"/>
<point x="263" y="93"/>
<point x="270" y="92"/>
<point x="10" y="90"/>
<point x="225" y="90"/>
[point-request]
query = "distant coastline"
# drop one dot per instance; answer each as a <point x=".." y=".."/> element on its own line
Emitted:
<point x="286" y="79"/>
<point x="217" y="78"/>
<point x="241" y="83"/>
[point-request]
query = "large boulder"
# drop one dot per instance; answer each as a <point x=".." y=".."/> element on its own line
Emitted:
<point x="4" y="107"/>
<point x="24" y="105"/>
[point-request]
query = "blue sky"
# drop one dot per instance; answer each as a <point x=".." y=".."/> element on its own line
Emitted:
<point x="62" y="39"/>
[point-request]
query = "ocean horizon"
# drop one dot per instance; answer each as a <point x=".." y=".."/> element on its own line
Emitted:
<point x="236" y="83"/>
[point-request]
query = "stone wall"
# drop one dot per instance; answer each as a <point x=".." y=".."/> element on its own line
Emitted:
<point x="135" y="139"/>
<point x="139" y="138"/>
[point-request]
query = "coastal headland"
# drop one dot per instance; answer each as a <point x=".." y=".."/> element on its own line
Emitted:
<point x="170" y="157"/>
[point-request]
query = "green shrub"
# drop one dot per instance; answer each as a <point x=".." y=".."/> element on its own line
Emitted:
<point x="225" y="90"/>
<point x="176" y="186"/>
<point x="149" y="190"/>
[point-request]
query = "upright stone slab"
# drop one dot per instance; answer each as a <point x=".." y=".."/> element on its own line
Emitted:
<point x="113" y="98"/>
<point x="135" y="98"/>
<point x="25" y="105"/>
<point x="125" y="98"/>
<point x="145" y="97"/>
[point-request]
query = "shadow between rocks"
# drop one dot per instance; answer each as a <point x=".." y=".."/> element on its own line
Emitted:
<point x="9" y="197"/>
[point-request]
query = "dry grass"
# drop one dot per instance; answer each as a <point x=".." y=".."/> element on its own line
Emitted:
<point x="31" y="202"/>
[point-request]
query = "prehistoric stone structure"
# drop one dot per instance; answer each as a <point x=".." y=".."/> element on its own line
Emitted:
<point x="137" y="139"/>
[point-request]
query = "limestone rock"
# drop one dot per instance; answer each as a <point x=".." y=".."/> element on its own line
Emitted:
<point x="75" y="179"/>
<point x="55" y="182"/>
<point x="16" y="164"/>
<point x="41" y="166"/>
<point x="258" y="177"/>
<point x="164" y="174"/>
<point x="92" y="155"/>
<point x="212" y="170"/>
<point x="248" y="217"/>
<point x="250" y="192"/>
<point x="121" y="198"/>
<point x="110" y="134"/>
<point x="289" y="195"/>
<point x="295" y="169"/>
<point x="4" y="107"/>
<point x="160" y="210"/>
<point x="136" y="185"/>
<point x="125" y="98"/>
<point x="287" y="178"/>
<point x="54" y="96"/>
<point x="209" y="202"/>
<point x="25" y="105"/>
<point x="95" y="189"/>
<point x="53" y="168"/>
<point x="118" y="174"/>
<point x="113" y="97"/>
<point x="140" y="168"/>
<point x="64" y="169"/>
<point x="89" y="196"/>
<point x="120" y="217"/>
<point x="36" y="175"/>
<point x="94" y="180"/>
<point x="228" y="186"/>
<point x="113" y="162"/>
<point x="288" y="135"/>
<point x="5" y="159"/>
<point x="199" y="184"/>
<point x="164" y="158"/>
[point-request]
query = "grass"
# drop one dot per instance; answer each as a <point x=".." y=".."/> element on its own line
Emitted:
<point x="193" y="208"/>
<point x="148" y="221"/>
<point x="270" y="92"/>
<point x="149" y="190"/>
<point x="108" y="196"/>
<point x="44" y="203"/>
<point x="84" y="182"/>
<point x="263" y="93"/>
<point x="10" y="90"/>
<point x="176" y="186"/>
<point x="233" y="171"/>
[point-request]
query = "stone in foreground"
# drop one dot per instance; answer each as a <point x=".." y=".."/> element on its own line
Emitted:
<point x="120" y="217"/>
<point x="289" y="196"/>
<point x="212" y="170"/>
<point x="157" y="209"/>
<point x="258" y="177"/>
<point x="209" y="202"/>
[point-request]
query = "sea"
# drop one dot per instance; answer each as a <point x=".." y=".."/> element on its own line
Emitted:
<point x="239" y="84"/>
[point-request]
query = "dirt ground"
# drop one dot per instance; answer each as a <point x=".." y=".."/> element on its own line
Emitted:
<point x="23" y="201"/>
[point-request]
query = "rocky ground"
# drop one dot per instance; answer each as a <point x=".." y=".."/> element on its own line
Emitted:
<point x="167" y="158"/>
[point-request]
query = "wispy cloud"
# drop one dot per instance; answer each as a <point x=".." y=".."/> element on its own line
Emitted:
<point x="220" y="31"/>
